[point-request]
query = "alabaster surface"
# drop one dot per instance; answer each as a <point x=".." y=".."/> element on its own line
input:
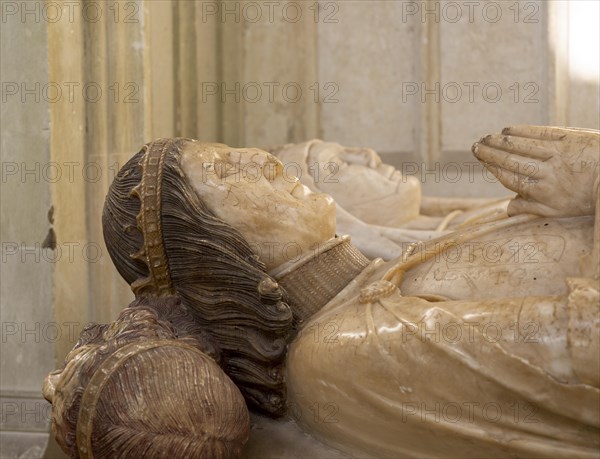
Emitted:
<point x="382" y="209"/>
<point x="480" y="342"/>
<point x="242" y="186"/>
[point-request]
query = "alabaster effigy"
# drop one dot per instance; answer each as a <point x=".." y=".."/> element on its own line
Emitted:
<point x="482" y="342"/>
<point x="381" y="208"/>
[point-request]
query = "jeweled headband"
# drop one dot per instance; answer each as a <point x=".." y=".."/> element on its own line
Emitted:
<point x="149" y="193"/>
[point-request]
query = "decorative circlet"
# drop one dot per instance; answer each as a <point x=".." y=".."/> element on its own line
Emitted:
<point x="153" y="254"/>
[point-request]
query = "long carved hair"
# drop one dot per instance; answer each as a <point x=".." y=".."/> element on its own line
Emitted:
<point x="147" y="385"/>
<point x="213" y="270"/>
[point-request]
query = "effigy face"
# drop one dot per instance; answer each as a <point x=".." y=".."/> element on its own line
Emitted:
<point x="247" y="188"/>
<point x="377" y="193"/>
<point x="356" y="179"/>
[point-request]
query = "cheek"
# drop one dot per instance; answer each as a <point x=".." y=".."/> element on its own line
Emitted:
<point x="257" y="216"/>
<point x="355" y="184"/>
<point x="288" y="214"/>
<point x="326" y="208"/>
<point x="322" y="214"/>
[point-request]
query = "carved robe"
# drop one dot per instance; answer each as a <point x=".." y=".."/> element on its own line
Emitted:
<point x="379" y="374"/>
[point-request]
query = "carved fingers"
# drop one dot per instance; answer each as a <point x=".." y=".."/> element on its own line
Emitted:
<point x="552" y="169"/>
<point x="537" y="132"/>
<point x="548" y="132"/>
<point x="521" y="146"/>
<point x="520" y="205"/>
<point x="514" y="170"/>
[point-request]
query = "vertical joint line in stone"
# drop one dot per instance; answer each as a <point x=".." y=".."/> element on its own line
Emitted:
<point x="433" y="108"/>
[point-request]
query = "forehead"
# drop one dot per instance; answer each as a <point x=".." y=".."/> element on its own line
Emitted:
<point x="220" y="153"/>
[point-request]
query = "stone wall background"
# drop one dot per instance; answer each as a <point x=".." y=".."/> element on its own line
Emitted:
<point x="85" y="85"/>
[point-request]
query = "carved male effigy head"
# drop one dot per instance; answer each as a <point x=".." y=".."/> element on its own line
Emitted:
<point x="188" y="218"/>
<point x="356" y="178"/>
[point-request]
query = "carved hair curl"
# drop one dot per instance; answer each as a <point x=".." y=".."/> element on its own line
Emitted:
<point x="147" y="385"/>
<point x="212" y="269"/>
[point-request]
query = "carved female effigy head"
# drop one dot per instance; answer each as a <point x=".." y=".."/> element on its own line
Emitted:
<point x="164" y="240"/>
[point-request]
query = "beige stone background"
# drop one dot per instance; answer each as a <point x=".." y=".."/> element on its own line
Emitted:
<point x="85" y="84"/>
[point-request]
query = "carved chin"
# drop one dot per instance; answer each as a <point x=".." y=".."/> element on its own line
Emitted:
<point x="316" y="221"/>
